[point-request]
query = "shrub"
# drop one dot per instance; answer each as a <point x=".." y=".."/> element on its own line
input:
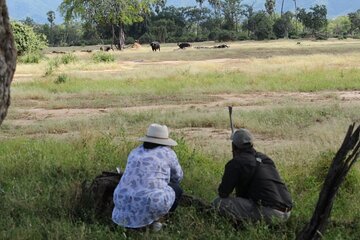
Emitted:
<point x="30" y="58"/>
<point x="26" y="40"/>
<point x="242" y="36"/>
<point x="214" y="35"/>
<point x="52" y="65"/>
<point x="62" y="78"/>
<point x="68" y="58"/>
<point x="225" y="36"/>
<point x="103" y="57"/>
<point x="321" y="36"/>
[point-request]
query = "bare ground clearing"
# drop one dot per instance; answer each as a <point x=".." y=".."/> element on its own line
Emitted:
<point x="244" y="101"/>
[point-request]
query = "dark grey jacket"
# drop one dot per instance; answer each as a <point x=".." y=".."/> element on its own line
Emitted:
<point x="260" y="182"/>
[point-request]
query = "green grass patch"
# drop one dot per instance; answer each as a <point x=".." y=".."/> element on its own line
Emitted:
<point x="103" y="57"/>
<point x="39" y="181"/>
<point x="317" y="80"/>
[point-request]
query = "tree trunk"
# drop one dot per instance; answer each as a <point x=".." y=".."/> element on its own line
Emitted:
<point x="121" y="37"/>
<point x="282" y="8"/>
<point x="7" y="60"/>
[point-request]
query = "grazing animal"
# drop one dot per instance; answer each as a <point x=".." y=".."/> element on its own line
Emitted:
<point x="184" y="45"/>
<point x="221" y="46"/>
<point x="106" y="48"/>
<point x="155" y="46"/>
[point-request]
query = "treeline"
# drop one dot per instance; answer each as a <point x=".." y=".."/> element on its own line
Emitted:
<point x="222" y="20"/>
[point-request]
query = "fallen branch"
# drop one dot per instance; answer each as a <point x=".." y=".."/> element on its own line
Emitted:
<point x="344" y="159"/>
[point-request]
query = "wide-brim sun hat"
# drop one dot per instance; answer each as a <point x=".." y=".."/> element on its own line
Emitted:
<point x="158" y="134"/>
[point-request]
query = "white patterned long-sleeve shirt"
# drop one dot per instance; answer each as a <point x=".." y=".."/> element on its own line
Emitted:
<point x="143" y="194"/>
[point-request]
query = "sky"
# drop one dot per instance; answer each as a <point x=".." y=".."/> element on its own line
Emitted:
<point x="37" y="9"/>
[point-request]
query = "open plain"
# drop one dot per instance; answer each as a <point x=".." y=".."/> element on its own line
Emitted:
<point x="72" y="117"/>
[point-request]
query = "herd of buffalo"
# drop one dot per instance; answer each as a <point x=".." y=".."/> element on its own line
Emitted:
<point x="155" y="46"/>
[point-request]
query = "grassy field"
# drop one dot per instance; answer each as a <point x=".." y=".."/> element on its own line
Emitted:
<point x="72" y="117"/>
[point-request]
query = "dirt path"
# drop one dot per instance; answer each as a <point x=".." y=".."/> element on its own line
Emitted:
<point x="245" y="101"/>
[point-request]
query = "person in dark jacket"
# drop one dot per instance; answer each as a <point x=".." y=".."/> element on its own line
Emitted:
<point x="260" y="192"/>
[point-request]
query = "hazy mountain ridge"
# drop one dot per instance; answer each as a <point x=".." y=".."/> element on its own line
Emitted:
<point x="37" y="9"/>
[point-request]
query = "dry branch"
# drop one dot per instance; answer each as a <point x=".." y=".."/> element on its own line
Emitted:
<point x="344" y="159"/>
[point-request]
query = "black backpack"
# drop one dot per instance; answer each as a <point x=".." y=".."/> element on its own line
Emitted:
<point x="97" y="196"/>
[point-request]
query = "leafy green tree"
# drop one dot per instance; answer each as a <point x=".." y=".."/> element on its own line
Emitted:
<point x="339" y="26"/>
<point x="29" y="21"/>
<point x="283" y="25"/>
<point x="174" y="20"/>
<point x="26" y="40"/>
<point x="354" y="18"/>
<point x="314" y="20"/>
<point x="248" y="12"/>
<point x="117" y="13"/>
<point x="260" y="25"/>
<point x="232" y="10"/>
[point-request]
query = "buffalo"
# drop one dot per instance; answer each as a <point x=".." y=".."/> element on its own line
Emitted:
<point x="155" y="46"/>
<point x="184" y="45"/>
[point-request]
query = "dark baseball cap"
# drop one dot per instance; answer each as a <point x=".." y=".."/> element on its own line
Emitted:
<point x="242" y="138"/>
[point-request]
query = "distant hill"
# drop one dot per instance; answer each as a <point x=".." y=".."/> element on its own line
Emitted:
<point x="37" y="9"/>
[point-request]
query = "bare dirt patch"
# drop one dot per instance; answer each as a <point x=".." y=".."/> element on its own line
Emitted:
<point x="248" y="101"/>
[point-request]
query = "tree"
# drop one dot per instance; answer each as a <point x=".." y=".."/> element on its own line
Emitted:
<point x="248" y="12"/>
<point x="270" y="6"/>
<point x="117" y="13"/>
<point x="7" y="60"/>
<point x="260" y="25"/>
<point x="200" y="2"/>
<point x="216" y="5"/>
<point x="283" y="25"/>
<point x="315" y="19"/>
<point x="354" y="18"/>
<point x="232" y="10"/>
<point x="51" y="17"/>
<point x="282" y="7"/>
<point x="29" y="21"/>
<point x="340" y="26"/>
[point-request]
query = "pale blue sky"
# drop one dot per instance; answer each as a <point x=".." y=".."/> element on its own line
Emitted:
<point x="37" y="9"/>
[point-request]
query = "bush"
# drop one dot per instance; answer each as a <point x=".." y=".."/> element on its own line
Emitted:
<point x="242" y="36"/>
<point x="225" y="36"/>
<point x="30" y="58"/>
<point x="62" y="78"/>
<point x="321" y="36"/>
<point x="214" y="35"/>
<point x="26" y="40"/>
<point x="103" y="57"/>
<point x="52" y="65"/>
<point x="68" y="58"/>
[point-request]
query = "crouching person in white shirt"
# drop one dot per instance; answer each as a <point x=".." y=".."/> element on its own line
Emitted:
<point x="149" y="188"/>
